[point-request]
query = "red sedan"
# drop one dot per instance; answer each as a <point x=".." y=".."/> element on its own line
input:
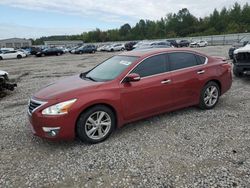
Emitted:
<point x="125" y="88"/>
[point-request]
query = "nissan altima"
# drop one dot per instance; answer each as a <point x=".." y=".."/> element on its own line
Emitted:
<point x="125" y="88"/>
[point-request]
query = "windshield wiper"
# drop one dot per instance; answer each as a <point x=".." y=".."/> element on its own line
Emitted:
<point x="90" y="78"/>
<point x="84" y="76"/>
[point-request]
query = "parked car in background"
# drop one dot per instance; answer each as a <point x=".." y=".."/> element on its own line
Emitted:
<point x="115" y="47"/>
<point x="49" y="52"/>
<point x="244" y="41"/>
<point x="64" y="49"/>
<point x="73" y="49"/>
<point x="27" y="53"/>
<point x="141" y="43"/>
<point x="183" y="43"/>
<point x="130" y="45"/>
<point x="5" y="83"/>
<point x="102" y="48"/>
<point x="242" y="61"/>
<point x="200" y="43"/>
<point x="86" y="49"/>
<point x="126" y="88"/>
<point x="173" y="43"/>
<point x="12" y="54"/>
<point x="32" y="50"/>
<point x="161" y="44"/>
<point x="155" y="44"/>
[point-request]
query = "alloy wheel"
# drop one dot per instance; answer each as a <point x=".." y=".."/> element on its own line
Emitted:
<point x="211" y="96"/>
<point x="98" y="125"/>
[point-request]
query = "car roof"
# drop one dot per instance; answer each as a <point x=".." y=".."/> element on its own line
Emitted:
<point x="152" y="51"/>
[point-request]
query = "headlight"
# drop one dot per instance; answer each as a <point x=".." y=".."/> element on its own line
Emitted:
<point x="59" y="109"/>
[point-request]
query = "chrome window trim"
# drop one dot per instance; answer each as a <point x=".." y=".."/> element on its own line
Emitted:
<point x="168" y="71"/>
<point x="42" y="103"/>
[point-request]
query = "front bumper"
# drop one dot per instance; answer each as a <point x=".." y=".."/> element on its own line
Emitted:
<point x="52" y="127"/>
<point x="242" y="67"/>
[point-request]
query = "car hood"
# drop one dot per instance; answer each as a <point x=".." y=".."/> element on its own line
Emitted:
<point x="237" y="45"/>
<point x="65" y="87"/>
<point x="3" y="73"/>
<point x="245" y="49"/>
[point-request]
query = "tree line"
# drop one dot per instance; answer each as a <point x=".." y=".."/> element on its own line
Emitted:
<point x="182" y="24"/>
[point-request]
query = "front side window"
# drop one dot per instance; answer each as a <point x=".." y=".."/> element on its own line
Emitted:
<point x="180" y="60"/>
<point x="151" y="66"/>
<point x="111" y="68"/>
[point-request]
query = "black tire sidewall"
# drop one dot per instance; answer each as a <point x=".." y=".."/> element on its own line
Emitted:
<point x="80" y="126"/>
<point x="202" y="104"/>
<point x="19" y="56"/>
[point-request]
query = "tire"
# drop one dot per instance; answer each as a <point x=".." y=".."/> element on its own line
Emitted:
<point x="80" y="52"/>
<point x="87" y="131"/>
<point x="112" y="50"/>
<point x="209" y="96"/>
<point x="122" y="49"/>
<point x="19" y="56"/>
<point x="1" y="58"/>
<point x="58" y="54"/>
<point x="237" y="73"/>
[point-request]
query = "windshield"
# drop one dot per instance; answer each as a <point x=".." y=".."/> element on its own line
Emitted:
<point x="247" y="38"/>
<point x="111" y="68"/>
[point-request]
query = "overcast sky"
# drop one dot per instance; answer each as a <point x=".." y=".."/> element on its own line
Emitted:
<point x="32" y="18"/>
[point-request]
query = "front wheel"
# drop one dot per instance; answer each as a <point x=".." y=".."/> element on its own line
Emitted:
<point x="209" y="95"/>
<point x="19" y="56"/>
<point x="96" y="124"/>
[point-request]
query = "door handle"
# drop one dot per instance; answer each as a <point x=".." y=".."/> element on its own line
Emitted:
<point x="165" y="81"/>
<point x="201" y="72"/>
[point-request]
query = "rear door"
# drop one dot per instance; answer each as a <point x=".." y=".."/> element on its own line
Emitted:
<point x="188" y="77"/>
<point x="152" y="94"/>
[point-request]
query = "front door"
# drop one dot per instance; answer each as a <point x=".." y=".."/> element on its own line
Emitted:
<point x="152" y="94"/>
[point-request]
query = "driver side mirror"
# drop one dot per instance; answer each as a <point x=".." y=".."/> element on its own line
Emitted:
<point x="133" y="77"/>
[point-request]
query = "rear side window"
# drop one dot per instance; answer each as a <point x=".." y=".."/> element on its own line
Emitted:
<point x="200" y="59"/>
<point x="180" y="60"/>
<point x="151" y="66"/>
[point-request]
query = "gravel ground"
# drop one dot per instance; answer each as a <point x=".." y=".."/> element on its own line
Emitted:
<point x="185" y="148"/>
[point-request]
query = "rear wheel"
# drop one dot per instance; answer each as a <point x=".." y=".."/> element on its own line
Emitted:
<point x="96" y="124"/>
<point x="19" y="56"/>
<point x="1" y="58"/>
<point x="209" y="95"/>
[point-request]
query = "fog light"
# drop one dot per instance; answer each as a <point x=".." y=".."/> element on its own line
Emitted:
<point x="51" y="131"/>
